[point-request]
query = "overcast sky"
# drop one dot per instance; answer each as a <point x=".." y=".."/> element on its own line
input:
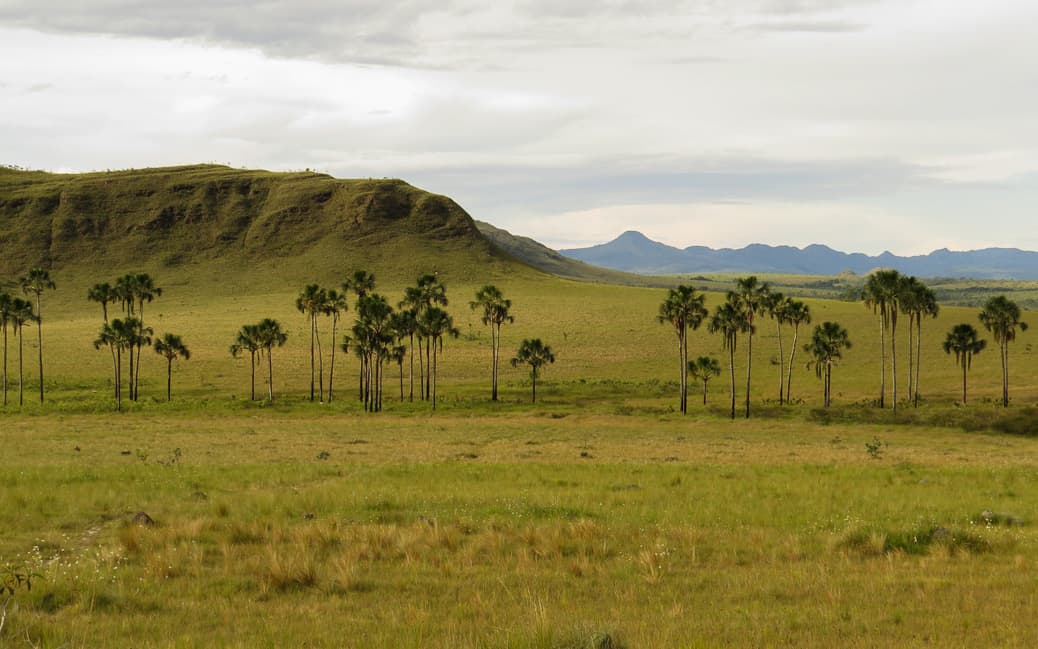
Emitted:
<point x="866" y="125"/>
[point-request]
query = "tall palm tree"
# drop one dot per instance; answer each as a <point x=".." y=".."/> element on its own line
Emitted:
<point x="247" y="340"/>
<point x="703" y="369"/>
<point x="270" y="335"/>
<point x="684" y="309"/>
<point x="428" y="292"/>
<point x="6" y="312"/>
<point x="144" y="290"/>
<point x="882" y="294"/>
<point x="752" y="297"/>
<point x="1001" y="316"/>
<point x="775" y="305"/>
<point x="826" y="347"/>
<point x="495" y="313"/>
<point x="372" y="336"/>
<point x="171" y="347"/>
<point x="21" y="314"/>
<point x="140" y="337"/>
<point x="335" y="305"/>
<point x="729" y="320"/>
<point x="962" y="341"/>
<point x="796" y="313"/>
<point x="360" y="283"/>
<point x="535" y="354"/>
<point x="117" y="336"/>
<point x="36" y="282"/>
<point x="311" y="302"/>
<point x="104" y="294"/>
<point x="918" y="301"/>
<point x="433" y="324"/>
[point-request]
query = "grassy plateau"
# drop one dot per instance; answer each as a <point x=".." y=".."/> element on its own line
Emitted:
<point x="599" y="517"/>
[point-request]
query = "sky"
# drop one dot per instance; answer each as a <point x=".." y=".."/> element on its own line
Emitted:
<point x="865" y="125"/>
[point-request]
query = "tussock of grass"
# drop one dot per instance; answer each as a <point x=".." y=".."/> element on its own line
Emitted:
<point x="871" y="542"/>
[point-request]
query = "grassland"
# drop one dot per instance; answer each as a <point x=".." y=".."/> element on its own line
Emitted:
<point x="598" y="518"/>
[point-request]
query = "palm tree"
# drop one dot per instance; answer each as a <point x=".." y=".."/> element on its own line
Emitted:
<point x="105" y="294"/>
<point x="535" y="354"/>
<point x="1001" y="317"/>
<point x="335" y="304"/>
<point x="117" y="336"/>
<point x="372" y="335"/>
<point x="883" y="293"/>
<point x="172" y="347"/>
<point x="495" y="313"/>
<point x="144" y="290"/>
<point x="826" y="347"/>
<point x="684" y="309"/>
<point x="703" y="369"/>
<point x="6" y="313"/>
<point x="21" y="314"/>
<point x="360" y="283"/>
<point x="427" y="293"/>
<point x="729" y="320"/>
<point x="248" y="340"/>
<point x="36" y="282"/>
<point x="752" y="297"/>
<point x="269" y="335"/>
<point x="918" y="302"/>
<point x="775" y="305"/>
<point x="311" y="302"/>
<point x="796" y="313"/>
<point x="962" y="340"/>
<point x="433" y="324"/>
<point x="139" y="338"/>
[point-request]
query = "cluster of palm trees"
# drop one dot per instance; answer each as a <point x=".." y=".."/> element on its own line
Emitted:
<point x="887" y="293"/>
<point x="129" y="335"/>
<point x="686" y="311"/>
<point x="15" y="313"/>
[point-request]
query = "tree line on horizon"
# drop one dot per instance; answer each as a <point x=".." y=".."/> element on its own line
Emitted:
<point x="887" y="293"/>
<point x="382" y="335"/>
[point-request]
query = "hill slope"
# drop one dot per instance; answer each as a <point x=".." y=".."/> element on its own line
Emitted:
<point x="634" y="252"/>
<point x="544" y="258"/>
<point x="299" y="225"/>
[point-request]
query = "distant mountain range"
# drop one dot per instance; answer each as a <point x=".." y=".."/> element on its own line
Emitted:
<point x="634" y="252"/>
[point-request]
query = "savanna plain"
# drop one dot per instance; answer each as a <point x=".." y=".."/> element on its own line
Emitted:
<point x="599" y="517"/>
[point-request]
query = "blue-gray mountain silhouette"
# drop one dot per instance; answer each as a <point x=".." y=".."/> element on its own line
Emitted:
<point x="634" y="252"/>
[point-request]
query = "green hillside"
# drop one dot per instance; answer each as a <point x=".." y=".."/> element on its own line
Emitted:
<point x="232" y="222"/>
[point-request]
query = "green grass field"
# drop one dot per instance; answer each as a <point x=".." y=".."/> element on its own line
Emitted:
<point x="599" y="517"/>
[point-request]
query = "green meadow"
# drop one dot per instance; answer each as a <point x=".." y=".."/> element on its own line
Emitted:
<point x="600" y="517"/>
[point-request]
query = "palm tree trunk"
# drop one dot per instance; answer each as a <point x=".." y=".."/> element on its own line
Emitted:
<point x="421" y="371"/>
<point x="429" y="362"/>
<point x="882" y="356"/>
<point x="5" y="362"/>
<point x="401" y="364"/>
<point x="683" y="345"/>
<point x="704" y="393"/>
<point x="534" y="375"/>
<point x="130" y="368"/>
<point x="780" y="359"/>
<point x="1005" y="374"/>
<point x="331" y="363"/>
<point x="410" y="373"/>
<point x="918" y="358"/>
<point x="137" y="369"/>
<point x="493" y="363"/>
<point x="911" y="356"/>
<point x="320" y="363"/>
<point x="252" y="365"/>
<point x="893" y="359"/>
<point x="21" y="395"/>
<point x="789" y="369"/>
<point x="731" y="371"/>
<point x="169" y="379"/>
<point x="749" y="362"/>
<point x="313" y="329"/>
<point x="681" y="376"/>
<point x="270" y="375"/>
<point x="39" y="338"/>
<point x="964" y="363"/>
<point x="118" y="355"/>
<point x="432" y="374"/>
